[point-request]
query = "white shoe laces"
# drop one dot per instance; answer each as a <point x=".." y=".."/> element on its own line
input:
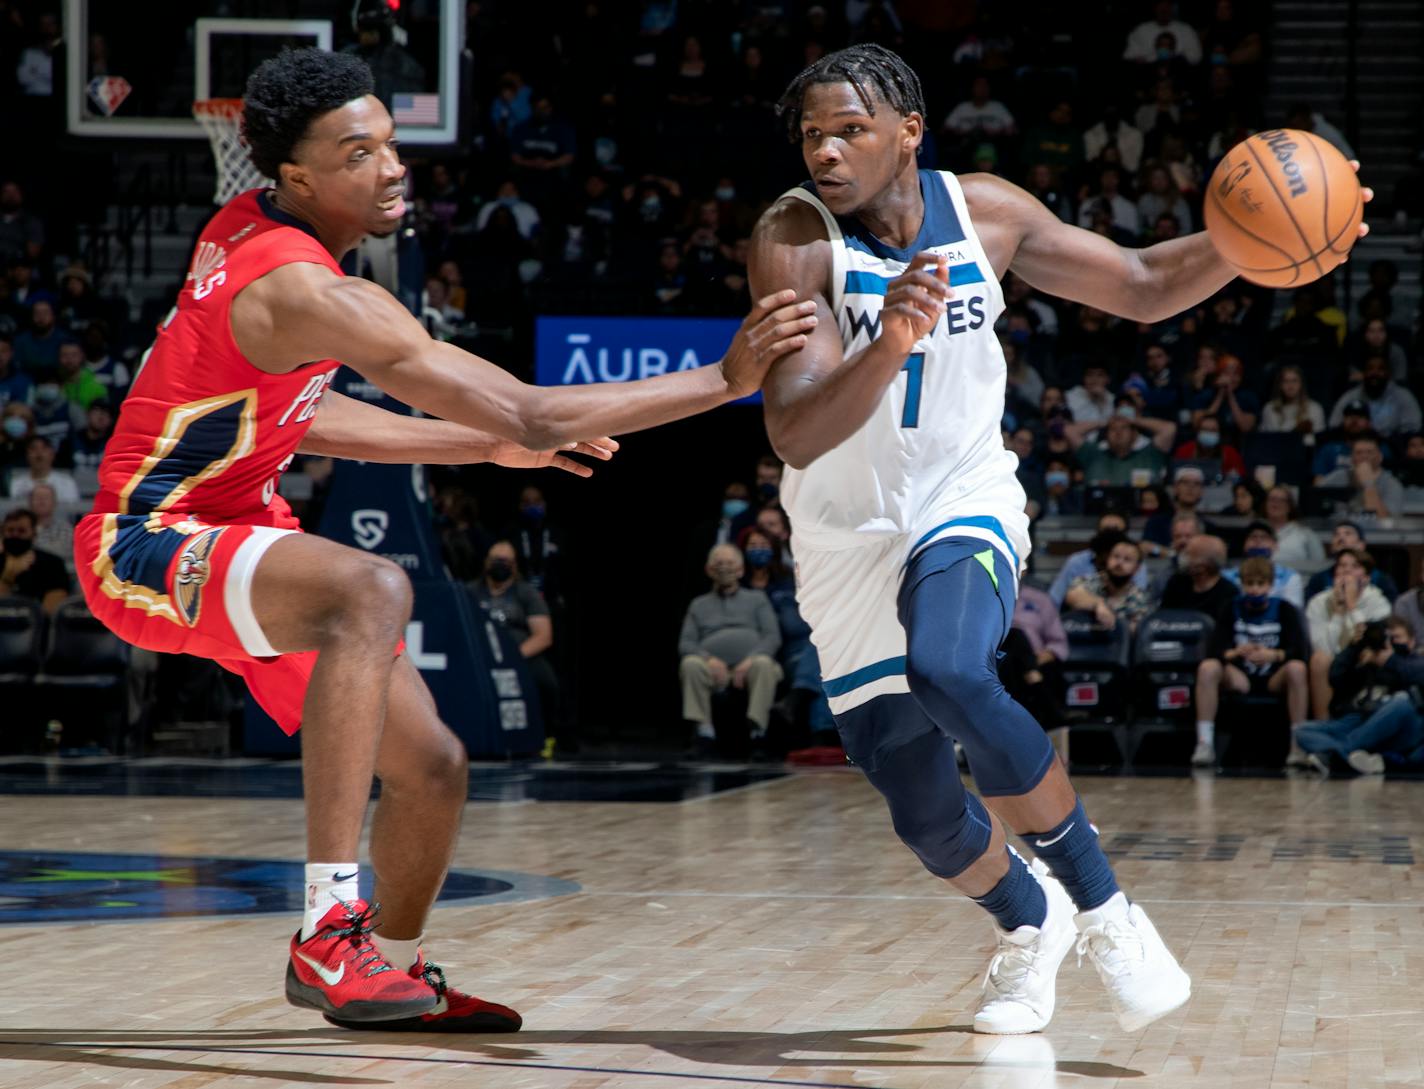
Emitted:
<point x="1113" y="945"/>
<point x="1012" y="964"/>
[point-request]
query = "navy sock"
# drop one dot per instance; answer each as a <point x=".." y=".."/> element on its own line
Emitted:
<point x="1072" y="852"/>
<point x="1017" y="900"/>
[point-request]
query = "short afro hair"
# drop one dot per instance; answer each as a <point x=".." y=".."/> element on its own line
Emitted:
<point x="290" y="91"/>
<point x="865" y="67"/>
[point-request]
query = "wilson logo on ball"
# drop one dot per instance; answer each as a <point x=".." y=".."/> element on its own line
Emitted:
<point x="1284" y="149"/>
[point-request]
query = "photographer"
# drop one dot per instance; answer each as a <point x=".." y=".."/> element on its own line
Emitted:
<point x="1377" y="681"/>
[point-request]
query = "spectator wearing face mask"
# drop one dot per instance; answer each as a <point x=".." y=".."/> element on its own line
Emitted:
<point x="1260" y="542"/>
<point x="27" y="571"/>
<point x="1110" y="593"/>
<point x="1258" y="648"/>
<point x="521" y="611"/>
<point x="539" y="545"/>
<point x="1335" y="615"/>
<point x="17" y="425"/>
<point x="1060" y="497"/>
<point x="771" y="520"/>
<point x="1207" y="446"/>
<point x="730" y="637"/>
<point x="54" y="413"/>
<point x="734" y="515"/>
<point x="1236" y="410"/>
<point x="768" y="480"/>
<point x="1376" y="714"/>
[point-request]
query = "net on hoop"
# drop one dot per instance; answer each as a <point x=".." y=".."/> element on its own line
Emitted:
<point x="221" y="119"/>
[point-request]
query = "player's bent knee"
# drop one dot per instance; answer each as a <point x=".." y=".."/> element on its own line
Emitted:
<point x="1209" y="671"/>
<point x="379" y="595"/>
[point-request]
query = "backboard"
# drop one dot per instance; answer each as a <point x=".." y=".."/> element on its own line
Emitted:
<point x="133" y="70"/>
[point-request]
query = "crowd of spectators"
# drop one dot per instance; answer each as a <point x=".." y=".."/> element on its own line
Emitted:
<point x="620" y="156"/>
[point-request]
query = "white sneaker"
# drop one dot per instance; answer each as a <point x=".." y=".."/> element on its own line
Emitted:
<point x="1204" y="755"/>
<point x="1143" y="979"/>
<point x="1020" y="984"/>
<point x="1365" y="762"/>
<point x="1296" y="758"/>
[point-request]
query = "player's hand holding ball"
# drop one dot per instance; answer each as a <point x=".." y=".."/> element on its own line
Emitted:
<point x="777" y="325"/>
<point x="914" y="301"/>
<point x="1283" y="208"/>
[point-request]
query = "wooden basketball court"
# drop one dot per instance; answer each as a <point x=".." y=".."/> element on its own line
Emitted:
<point x="774" y="932"/>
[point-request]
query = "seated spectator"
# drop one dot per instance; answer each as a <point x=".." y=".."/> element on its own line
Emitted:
<point x="1393" y="409"/>
<point x="1091" y="402"/>
<point x="769" y="470"/>
<point x="1188" y="487"/>
<point x="1112" y="131"/>
<point x="1248" y="499"/>
<point x="1296" y="545"/>
<point x="1109" y="195"/>
<point x="27" y="571"/>
<point x="1377" y="490"/>
<point x="1110" y="593"/>
<point x="1290" y="407"/>
<point x="771" y="520"/>
<point x="1375" y="714"/>
<point x="1060" y="497"/>
<point x="980" y="117"/>
<point x="40" y="469"/>
<point x="464" y="542"/>
<point x="1409" y="469"/>
<point x="37" y="348"/>
<point x="1375" y="339"/>
<point x="1034" y="674"/>
<point x="1123" y="457"/>
<point x="1335" y="614"/>
<point x="1159" y="197"/>
<point x="1260" y="543"/>
<point x="729" y="637"/>
<point x="1236" y="409"/>
<point x="520" y="610"/>
<point x="1184" y="526"/>
<point x="1198" y="583"/>
<point x="54" y="532"/>
<point x="80" y="386"/>
<point x="1040" y="182"/>
<point x="1024" y="381"/>
<point x="1409" y="607"/>
<point x="1162" y="395"/>
<point x="17" y="427"/>
<point x="1259" y="648"/>
<point x="85" y="448"/>
<point x="1142" y="45"/>
<point x="1081" y="564"/>
<point x="1348" y="535"/>
<point x="526" y="216"/>
<point x="1332" y="449"/>
<point x="540" y="545"/>
<point x="113" y="374"/>
<point x="15" y="385"/>
<point x="1208" y="446"/>
<point x="736" y="514"/>
<point x="54" y="413"/>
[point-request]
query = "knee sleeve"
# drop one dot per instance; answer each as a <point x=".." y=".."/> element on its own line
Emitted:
<point x="946" y="826"/>
<point x="955" y="618"/>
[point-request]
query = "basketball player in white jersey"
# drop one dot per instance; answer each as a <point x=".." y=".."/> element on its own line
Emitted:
<point x="908" y="523"/>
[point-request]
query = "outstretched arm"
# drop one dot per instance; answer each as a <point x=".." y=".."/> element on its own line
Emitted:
<point x="301" y="312"/>
<point x="1146" y="285"/>
<point x="344" y="427"/>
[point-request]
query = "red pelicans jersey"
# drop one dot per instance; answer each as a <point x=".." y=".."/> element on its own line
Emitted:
<point x="187" y="501"/>
<point x="203" y="430"/>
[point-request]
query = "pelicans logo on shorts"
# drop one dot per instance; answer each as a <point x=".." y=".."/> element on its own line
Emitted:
<point x="192" y="574"/>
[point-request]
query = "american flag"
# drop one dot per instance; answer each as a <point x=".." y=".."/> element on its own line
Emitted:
<point x="416" y="109"/>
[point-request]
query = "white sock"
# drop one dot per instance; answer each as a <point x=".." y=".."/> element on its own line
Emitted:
<point x="705" y="729"/>
<point x="1206" y="731"/>
<point x="401" y="952"/>
<point x="328" y="884"/>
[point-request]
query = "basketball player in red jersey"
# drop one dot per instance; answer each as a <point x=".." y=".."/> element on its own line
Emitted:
<point x="189" y="549"/>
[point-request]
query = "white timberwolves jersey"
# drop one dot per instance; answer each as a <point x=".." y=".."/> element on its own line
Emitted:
<point x="930" y="462"/>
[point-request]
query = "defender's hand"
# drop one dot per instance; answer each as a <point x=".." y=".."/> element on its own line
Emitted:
<point x="513" y="456"/>
<point x="776" y="326"/>
<point x="914" y="301"/>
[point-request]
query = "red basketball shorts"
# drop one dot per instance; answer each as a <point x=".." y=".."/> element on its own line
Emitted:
<point x="170" y="583"/>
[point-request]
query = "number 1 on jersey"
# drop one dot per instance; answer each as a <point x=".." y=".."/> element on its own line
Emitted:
<point x="916" y="366"/>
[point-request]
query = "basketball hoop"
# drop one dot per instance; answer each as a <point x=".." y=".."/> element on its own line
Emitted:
<point x="221" y="119"/>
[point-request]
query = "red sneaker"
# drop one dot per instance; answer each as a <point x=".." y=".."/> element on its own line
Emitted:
<point x="454" y="1012"/>
<point x="338" y="970"/>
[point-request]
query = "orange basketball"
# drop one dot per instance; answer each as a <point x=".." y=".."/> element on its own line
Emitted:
<point x="1283" y="208"/>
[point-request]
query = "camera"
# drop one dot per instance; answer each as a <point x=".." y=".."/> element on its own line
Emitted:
<point x="1375" y="636"/>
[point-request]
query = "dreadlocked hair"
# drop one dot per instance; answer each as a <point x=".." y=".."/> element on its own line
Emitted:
<point x="864" y="67"/>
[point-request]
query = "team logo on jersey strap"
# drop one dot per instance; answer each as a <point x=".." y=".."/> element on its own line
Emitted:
<point x="207" y="271"/>
<point x="192" y="575"/>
